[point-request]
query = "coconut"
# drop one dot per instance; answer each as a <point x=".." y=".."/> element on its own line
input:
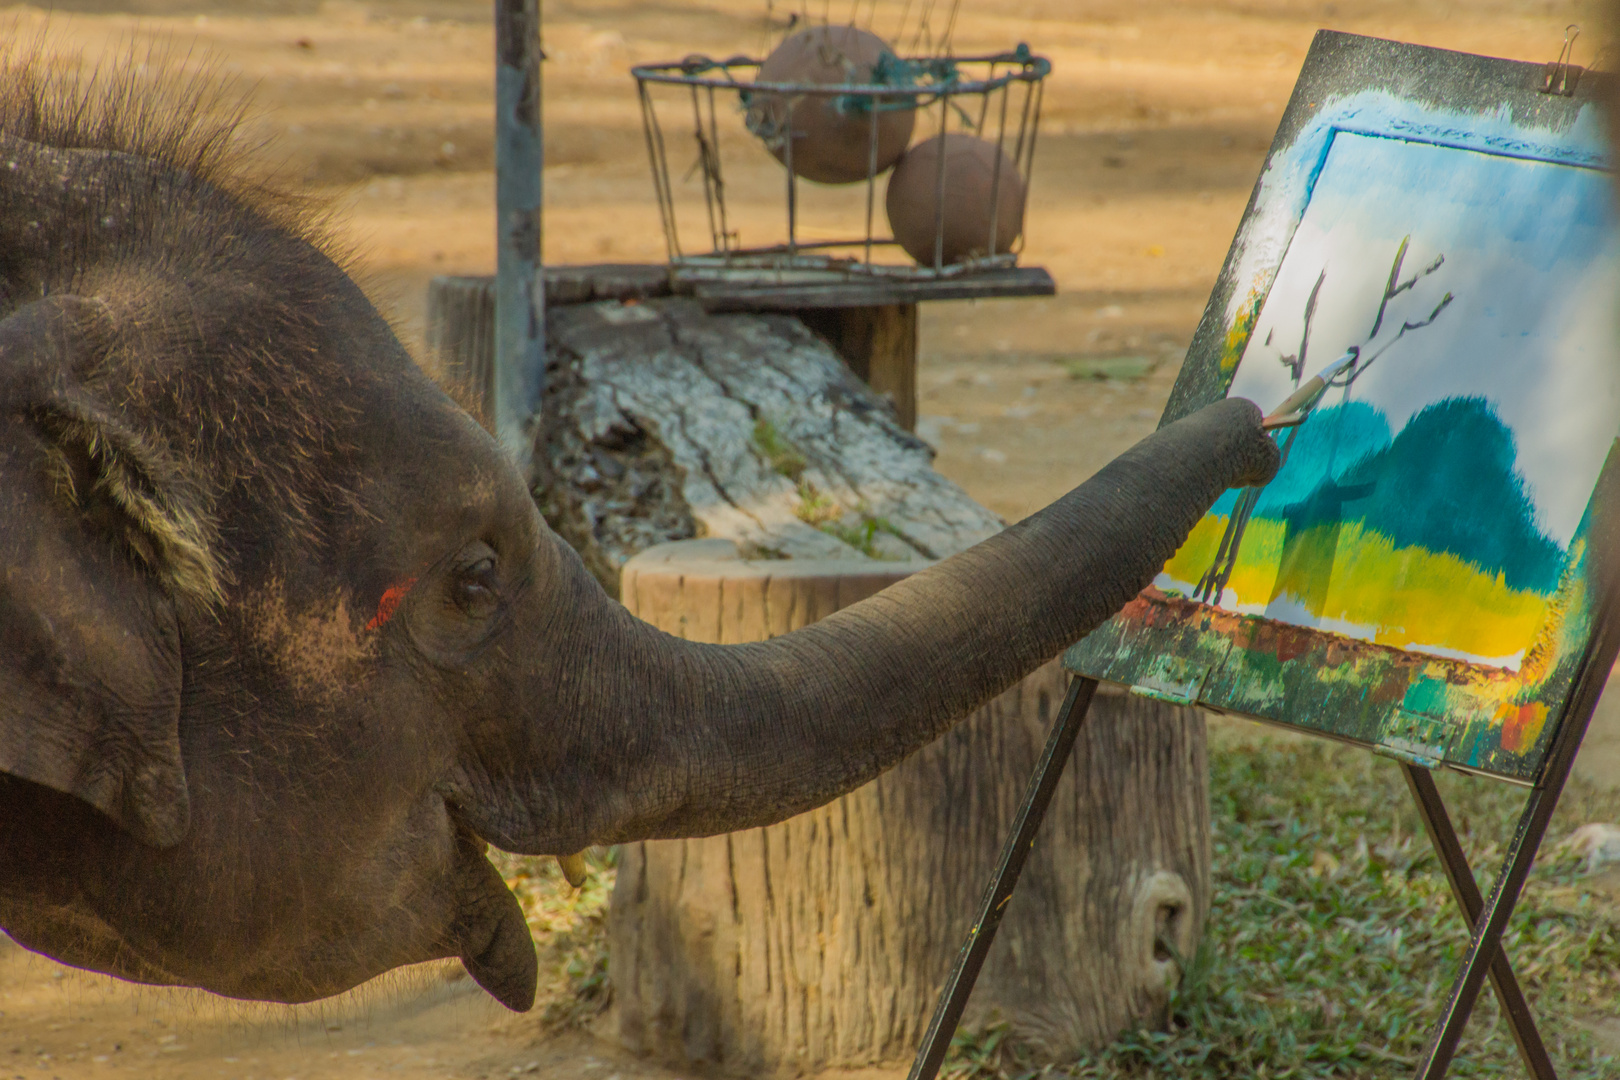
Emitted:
<point x="831" y="133"/>
<point x="971" y="168"/>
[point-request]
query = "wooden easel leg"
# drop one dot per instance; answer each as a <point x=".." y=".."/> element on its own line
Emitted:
<point x="1048" y="770"/>
<point x="1455" y="863"/>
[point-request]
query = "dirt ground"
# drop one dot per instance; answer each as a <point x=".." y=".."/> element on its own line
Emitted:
<point x="1156" y="119"/>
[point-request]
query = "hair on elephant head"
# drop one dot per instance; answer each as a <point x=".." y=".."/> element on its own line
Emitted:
<point x="286" y="642"/>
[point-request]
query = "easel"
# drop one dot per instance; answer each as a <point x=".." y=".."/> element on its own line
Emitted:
<point x="1487" y="917"/>
<point x="1181" y="648"/>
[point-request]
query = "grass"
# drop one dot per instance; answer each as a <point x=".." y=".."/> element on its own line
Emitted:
<point x="816" y="508"/>
<point x="781" y="455"/>
<point x="1333" y="937"/>
<point x="1123" y="368"/>
<point x="861" y="537"/>
<point x="1413" y="595"/>
<point x="1330" y="947"/>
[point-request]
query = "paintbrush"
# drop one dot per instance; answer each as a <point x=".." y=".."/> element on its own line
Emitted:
<point x="1299" y="404"/>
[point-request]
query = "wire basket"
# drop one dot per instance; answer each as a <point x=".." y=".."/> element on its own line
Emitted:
<point x="996" y="98"/>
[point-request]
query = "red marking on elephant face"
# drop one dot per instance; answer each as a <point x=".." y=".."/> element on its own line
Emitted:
<point x="392" y="597"/>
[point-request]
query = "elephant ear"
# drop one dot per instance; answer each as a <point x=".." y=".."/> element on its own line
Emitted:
<point x="103" y="543"/>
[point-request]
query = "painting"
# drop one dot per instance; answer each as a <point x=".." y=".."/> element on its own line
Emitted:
<point x="1442" y="270"/>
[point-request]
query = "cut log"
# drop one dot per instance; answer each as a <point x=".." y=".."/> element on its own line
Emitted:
<point x="822" y="941"/>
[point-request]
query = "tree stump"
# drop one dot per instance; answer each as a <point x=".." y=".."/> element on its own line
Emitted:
<point x="823" y="941"/>
<point x="461" y="339"/>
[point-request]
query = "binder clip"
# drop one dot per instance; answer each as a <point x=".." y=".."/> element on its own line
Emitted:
<point x="1560" y="76"/>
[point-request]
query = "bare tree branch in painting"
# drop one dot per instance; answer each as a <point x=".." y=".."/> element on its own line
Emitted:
<point x="1392" y="290"/>
<point x="1212" y="586"/>
<point x="1350" y="374"/>
<point x="1296" y="363"/>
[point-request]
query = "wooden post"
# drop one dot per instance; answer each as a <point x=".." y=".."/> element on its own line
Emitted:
<point x="520" y="349"/>
<point x="879" y="343"/>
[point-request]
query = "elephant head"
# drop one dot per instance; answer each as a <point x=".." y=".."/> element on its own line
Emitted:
<point x="286" y="642"/>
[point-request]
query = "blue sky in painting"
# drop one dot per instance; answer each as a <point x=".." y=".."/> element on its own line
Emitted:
<point x="1528" y="258"/>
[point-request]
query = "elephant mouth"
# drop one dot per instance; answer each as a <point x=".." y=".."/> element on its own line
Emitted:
<point x="490" y="934"/>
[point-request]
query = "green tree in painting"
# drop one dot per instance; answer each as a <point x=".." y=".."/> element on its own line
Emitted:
<point x="1307" y="564"/>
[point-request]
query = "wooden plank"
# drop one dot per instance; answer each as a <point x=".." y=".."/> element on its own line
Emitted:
<point x="736" y="296"/>
<point x="584" y="282"/>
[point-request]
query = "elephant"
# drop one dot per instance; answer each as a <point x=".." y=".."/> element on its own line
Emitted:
<point x="288" y="646"/>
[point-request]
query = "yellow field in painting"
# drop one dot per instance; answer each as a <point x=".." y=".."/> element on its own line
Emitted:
<point x="1404" y="596"/>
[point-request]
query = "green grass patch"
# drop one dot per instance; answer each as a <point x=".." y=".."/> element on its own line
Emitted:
<point x="861" y="537"/>
<point x="816" y="508"/>
<point x="781" y="455"/>
<point x="1333" y="938"/>
<point x="821" y="511"/>
<point x="1109" y="367"/>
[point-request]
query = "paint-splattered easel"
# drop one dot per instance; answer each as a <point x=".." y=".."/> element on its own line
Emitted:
<point x="1187" y="651"/>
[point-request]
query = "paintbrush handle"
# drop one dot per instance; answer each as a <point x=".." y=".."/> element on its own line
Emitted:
<point x="1292" y="410"/>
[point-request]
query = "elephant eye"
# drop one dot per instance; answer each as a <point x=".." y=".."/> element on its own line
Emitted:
<point x="474" y="589"/>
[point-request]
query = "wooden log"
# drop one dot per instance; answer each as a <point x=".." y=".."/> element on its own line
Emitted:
<point x="461" y="339"/>
<point x="666" y="422"/>
<point x="879" y="343"/>
<point x="822" y="941"/>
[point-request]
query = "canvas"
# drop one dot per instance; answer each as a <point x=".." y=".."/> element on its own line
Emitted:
<point x="1419" y="576"/>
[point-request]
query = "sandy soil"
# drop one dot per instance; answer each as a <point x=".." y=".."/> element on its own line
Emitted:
<point x="1157" y="117"/>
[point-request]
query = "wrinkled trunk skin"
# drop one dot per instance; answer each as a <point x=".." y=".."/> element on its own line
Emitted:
<point x="822" y="941"/>
<point x="647" y="736"/>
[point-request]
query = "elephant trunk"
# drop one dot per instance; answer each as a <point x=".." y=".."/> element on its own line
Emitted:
<point x="643" y="735"/>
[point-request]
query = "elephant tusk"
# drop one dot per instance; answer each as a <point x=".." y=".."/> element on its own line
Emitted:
<point x="574" y="868"/>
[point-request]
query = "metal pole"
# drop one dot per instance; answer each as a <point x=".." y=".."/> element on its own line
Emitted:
<point x="520" y="344"/>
